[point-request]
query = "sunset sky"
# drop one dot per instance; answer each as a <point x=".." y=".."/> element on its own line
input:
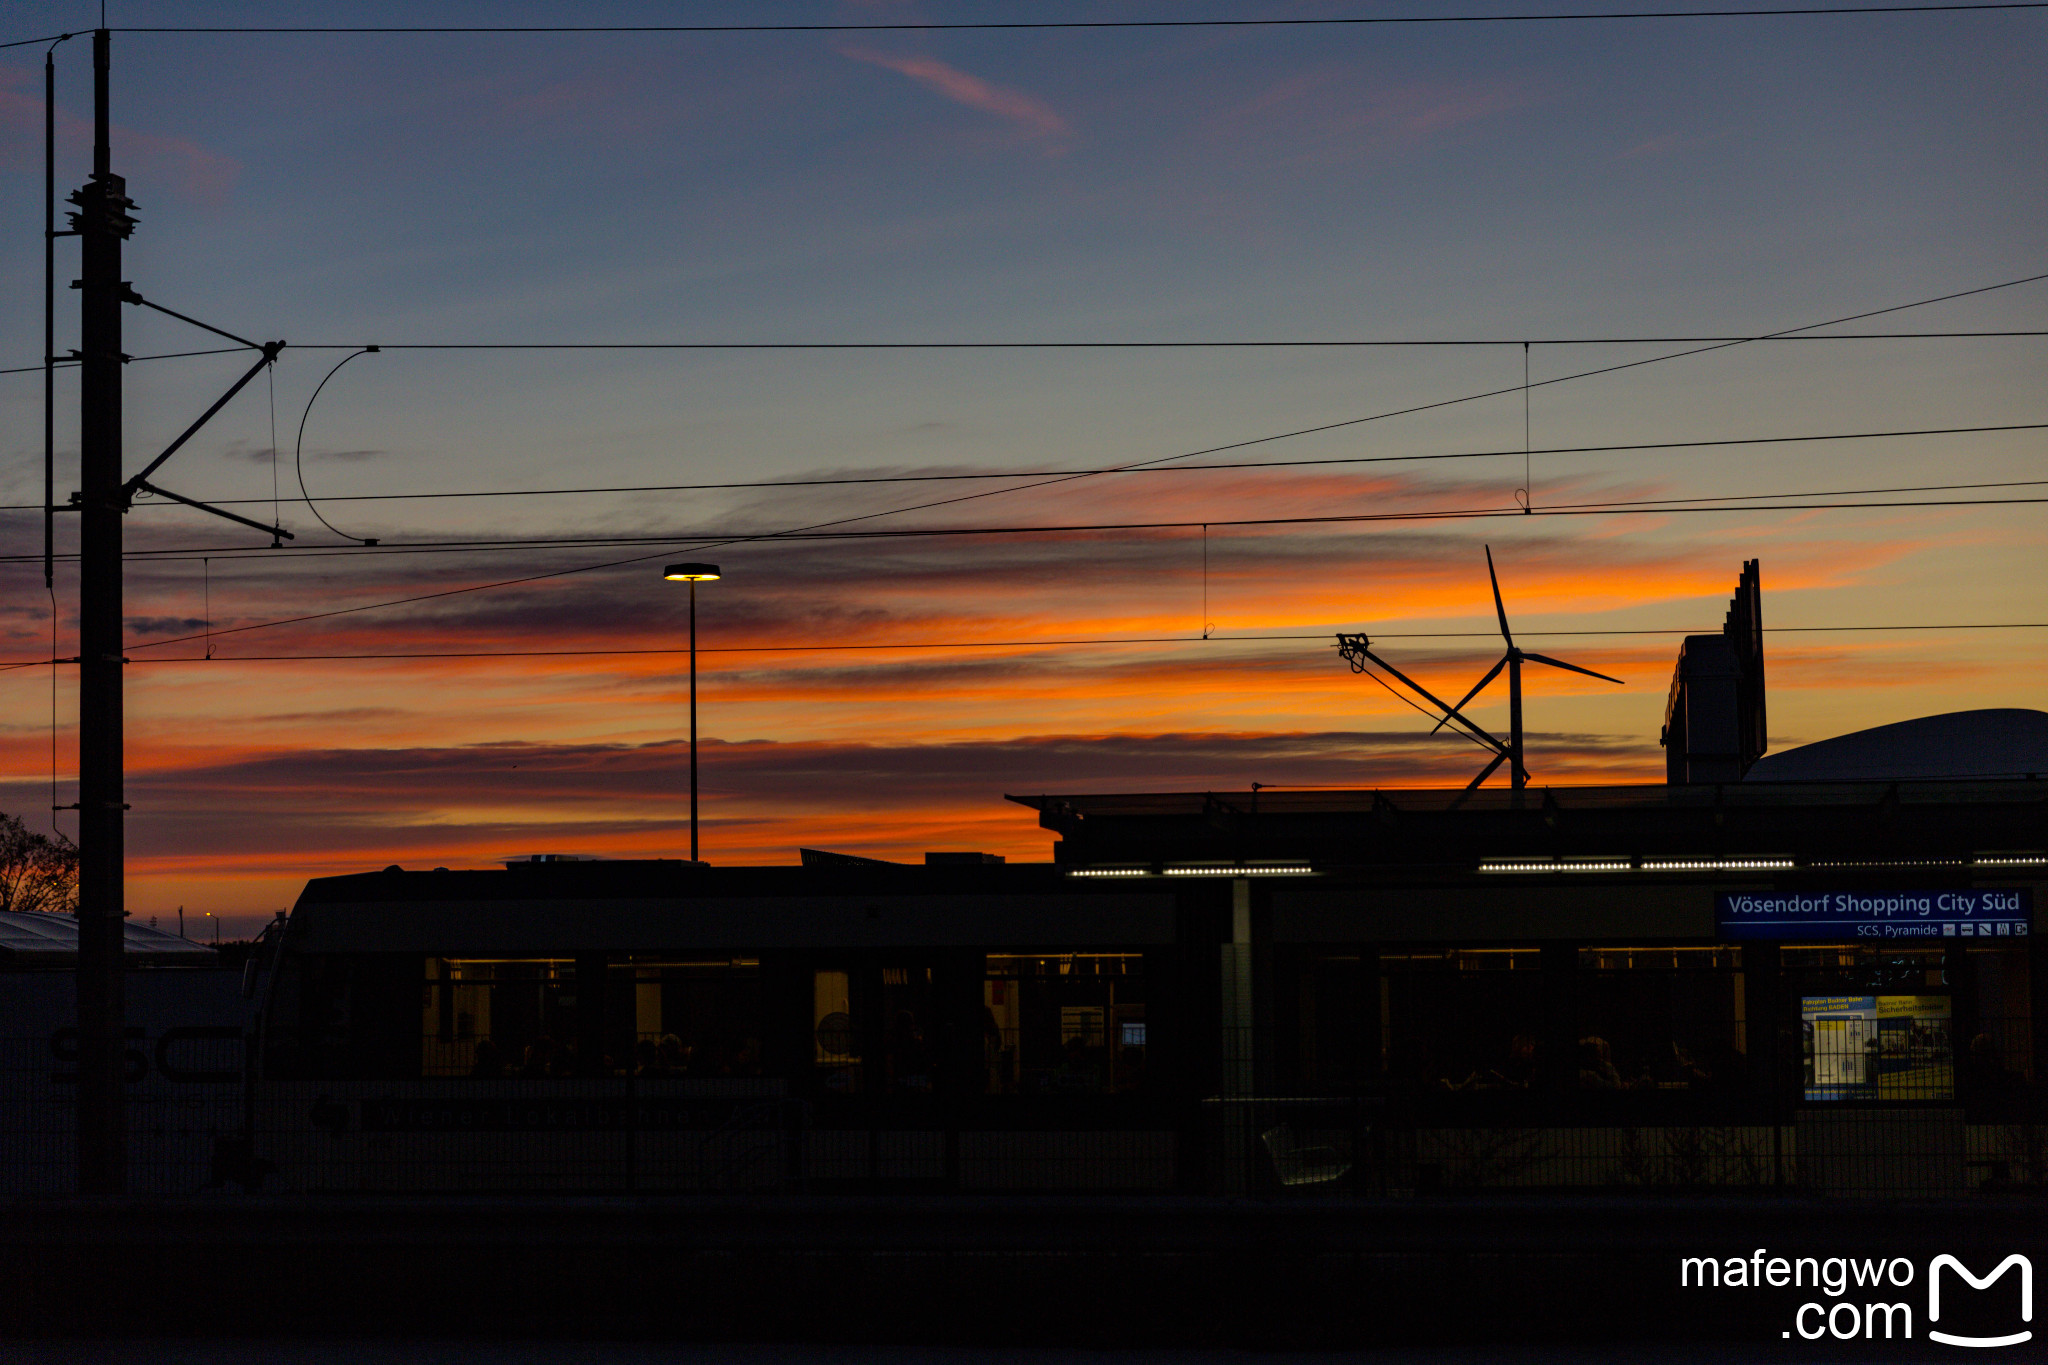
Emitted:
<point x="1484" y="182"/>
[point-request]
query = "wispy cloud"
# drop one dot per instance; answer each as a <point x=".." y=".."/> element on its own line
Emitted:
<point x="1334" y="114"/>
<point x="1027" y="113"/>
<point x="1663" y="144"/>
<point x="189" y="169"/>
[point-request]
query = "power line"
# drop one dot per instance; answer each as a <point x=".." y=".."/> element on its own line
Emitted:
<point x="911" y="26"/>
<point x="1837" y="493"/>
<point x="1283" y="343"/>
<point x="1407" y="411"/>
<point x="168" y="355"/>
<point x="1748" y="502"/>
<point x="641" y="559"/>
<point x="1476" y="514"/>
<point x="1651" y="506"/>
<point x="1062" y="24"/>
<point x="1118" y="469"/>
<point x="1108" y="642"/>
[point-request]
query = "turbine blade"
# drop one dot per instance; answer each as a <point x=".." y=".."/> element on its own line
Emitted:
<point x="1498" y="609"/>
<point x="1477" y="688"/>
<point x="1560" y="663"/>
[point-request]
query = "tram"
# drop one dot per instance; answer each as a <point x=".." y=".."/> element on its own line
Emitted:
<point x="1394" y="990"/>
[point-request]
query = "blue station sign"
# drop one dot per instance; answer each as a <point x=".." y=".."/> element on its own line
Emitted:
<point x="2006" y="913"/>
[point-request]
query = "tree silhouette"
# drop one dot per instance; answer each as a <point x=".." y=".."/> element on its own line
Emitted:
<point x="36" y="871"/>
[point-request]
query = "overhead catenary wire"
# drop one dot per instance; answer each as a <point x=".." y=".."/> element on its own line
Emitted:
<point x="717" y="540"/>
<point x="916" y="646"/>
<point x="133" y="359"/>
<point x="299" y="447"/>
<point x="544" y="576"/>
<point x="1528" y="479"/>
<point x="276" y="516"/>
<point x="641" y="559"/>
<point x="1215" y="343"/>
<point x="1193" y="344"/>
<point x="1745" y="502"/>
<point x="1374" y="417"/>
<point x="837" y="481"/>
<point x="1025" y="25"/>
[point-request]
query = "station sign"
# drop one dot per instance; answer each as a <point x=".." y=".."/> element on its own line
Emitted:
<point x="1833" y="916"/>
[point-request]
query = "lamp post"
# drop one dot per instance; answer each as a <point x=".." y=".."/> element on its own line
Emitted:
<point x="693" y="574"/>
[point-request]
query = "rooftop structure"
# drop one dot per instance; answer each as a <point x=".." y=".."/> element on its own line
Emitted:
<point x="2004" y="742"/>
<point x="34" y="939"/>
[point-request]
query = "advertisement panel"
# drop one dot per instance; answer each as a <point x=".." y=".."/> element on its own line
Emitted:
<point x="1877" y="1047"/>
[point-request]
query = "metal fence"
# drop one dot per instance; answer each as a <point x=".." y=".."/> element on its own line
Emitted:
<point x="198" y="1123"/>
<point x="1318" y="1147"/>
<point x="187" y="1112"/>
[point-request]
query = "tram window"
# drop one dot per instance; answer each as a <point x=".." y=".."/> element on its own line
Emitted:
<point x="1328" y="1010"/>
<point x="2000" y="1053"/>
<point x="689" y="1017"/>
<point x="518" y="1017"/>
<point x="498" y="1018"/>
<point x="835" y="1038"/>
<point x="1461" y="1019"/>
<point x="1063" y="1024"/>
<point x="909" y="1060"/>
<point x="1854" y="964"/>
<point x="1660" y="1018"/>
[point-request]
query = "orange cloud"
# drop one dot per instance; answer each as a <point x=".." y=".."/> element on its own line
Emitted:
<point x="249" y="777"/>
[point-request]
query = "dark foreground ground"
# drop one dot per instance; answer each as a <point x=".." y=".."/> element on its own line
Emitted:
<point x="1033" y="1281"/>
<point x="562" y="1353"/>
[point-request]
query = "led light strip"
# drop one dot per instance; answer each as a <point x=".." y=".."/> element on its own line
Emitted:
<point x="1717" y="864"/>
<point x="1569" y="865"/>
<point x="1893" y="862"/>
<point x="2011" y="860"/>
<point x="1628" y="865"/>
<point x="1200" y="870"/>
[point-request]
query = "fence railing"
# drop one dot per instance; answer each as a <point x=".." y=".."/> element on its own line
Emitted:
<point x="197" y="1123"/>
<point x="1357" y="1147"/>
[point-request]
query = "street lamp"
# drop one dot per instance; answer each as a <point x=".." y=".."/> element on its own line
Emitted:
<point x="693" y="574"/>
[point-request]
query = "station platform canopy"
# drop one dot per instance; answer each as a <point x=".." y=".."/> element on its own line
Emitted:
<point x="37" y="939"/>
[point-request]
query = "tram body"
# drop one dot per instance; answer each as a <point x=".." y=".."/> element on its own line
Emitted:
<point x="661" y="1025"/>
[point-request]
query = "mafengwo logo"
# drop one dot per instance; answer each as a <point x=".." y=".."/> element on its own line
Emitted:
<point x="2013" y="1262"/>
<point x="1880" y="1311"/>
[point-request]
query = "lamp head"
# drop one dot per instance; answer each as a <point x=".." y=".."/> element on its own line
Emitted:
<point x="690" y="573"/>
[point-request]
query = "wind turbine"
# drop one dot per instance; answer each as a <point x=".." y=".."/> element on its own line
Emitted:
<point x="1512" y="662"/>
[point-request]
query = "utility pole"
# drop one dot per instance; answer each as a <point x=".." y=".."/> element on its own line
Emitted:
<point x="102" y="222"/>
<point x="693" y="722"/>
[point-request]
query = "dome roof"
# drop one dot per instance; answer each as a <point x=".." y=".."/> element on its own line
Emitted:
<point x="2006" y="742"/>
